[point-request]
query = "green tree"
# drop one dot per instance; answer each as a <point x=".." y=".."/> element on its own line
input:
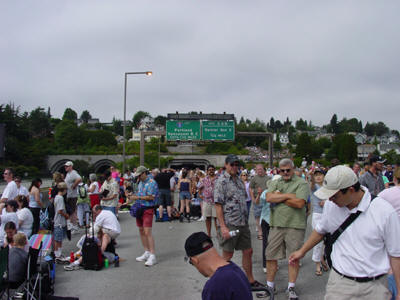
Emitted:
<point x="68" y="136"/>
<point x="344" y="148"/>
<point x="138" y="117"/>
<point x="117" y="126"/>
<point x="301" y="125"/>
<point x="85" y="116"/>
<point x="377" y="129"/>
<point x="160" y="120"/>
<point x="70" y="114"/>
<point x="39" y="123"/>
<point x="304" y="146"/>
<point x="334" y="126"/>
<point x="392" y="157"/>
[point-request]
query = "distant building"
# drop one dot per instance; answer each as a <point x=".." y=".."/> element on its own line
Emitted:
<point x="364" y="150"/>
<point x="283" y="138"/>
<point x="79" y="122"/>
<point x="384" y="148"/>
<point x="360" y="138"/>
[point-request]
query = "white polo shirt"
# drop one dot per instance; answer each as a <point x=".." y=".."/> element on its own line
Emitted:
<point x="11" y="191"/>
<point x="362" y="249"/>
<point x="106" y="219"/>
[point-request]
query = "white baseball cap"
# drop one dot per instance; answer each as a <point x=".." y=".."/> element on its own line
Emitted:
<point x="337" y="178"/>
<point x="69" y="164"/>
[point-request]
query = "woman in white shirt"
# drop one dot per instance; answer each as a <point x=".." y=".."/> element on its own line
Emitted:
<point x="25" y="217"/>
<point x="93" y="190"/>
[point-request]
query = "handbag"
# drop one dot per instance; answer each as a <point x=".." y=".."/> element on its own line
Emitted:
<point x="137" y="210"/>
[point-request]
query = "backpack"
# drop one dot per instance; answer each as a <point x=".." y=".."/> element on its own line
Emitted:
<point x="82" y="191"/>
<point x="92" y="258"/>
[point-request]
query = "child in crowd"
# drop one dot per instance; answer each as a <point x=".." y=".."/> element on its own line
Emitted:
<point x="60" y="221"/>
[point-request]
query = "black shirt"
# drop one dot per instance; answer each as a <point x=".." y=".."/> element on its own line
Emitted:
<point x="163" y="180"/>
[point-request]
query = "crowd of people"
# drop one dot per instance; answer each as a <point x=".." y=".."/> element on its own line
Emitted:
<point x="280" y="198"/>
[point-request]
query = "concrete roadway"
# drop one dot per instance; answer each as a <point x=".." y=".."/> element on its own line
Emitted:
<point x="171" y="278"/>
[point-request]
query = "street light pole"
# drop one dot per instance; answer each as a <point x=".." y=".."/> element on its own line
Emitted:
<point x="148" y="73"/>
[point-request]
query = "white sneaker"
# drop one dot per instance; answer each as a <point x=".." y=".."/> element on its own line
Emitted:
<point x="144" y="256"/>
<point x="151" y="260"/>
<point x="201" y="219"/>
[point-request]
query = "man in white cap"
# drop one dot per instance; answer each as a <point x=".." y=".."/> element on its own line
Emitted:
<point x="72" y="179"/>
<point x="365" y="250"/>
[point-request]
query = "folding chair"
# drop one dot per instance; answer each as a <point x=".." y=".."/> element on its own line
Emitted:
<point x="32" y="284"/>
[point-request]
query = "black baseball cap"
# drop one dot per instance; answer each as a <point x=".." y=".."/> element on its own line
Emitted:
<point x="231" y="158"/>
<point x="194" y="243"/>
<point x="377" y="158"/>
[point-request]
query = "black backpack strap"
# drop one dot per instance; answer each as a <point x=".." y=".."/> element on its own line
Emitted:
<point x="350" y="219"/>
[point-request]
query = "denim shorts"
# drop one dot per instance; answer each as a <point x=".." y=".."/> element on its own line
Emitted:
<point x="113" y="209"/>
<point x="59" y="233"/>
<point x="184" y="195"/>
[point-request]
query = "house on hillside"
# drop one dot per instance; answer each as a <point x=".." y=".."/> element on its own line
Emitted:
<point x="364" y="150"/>
<point x="145" y="126"/>
<point x="384" y="148"/>
<point x="360" y="138"/>
<point x="79" y="122"/>
<point x="283" y="138"/>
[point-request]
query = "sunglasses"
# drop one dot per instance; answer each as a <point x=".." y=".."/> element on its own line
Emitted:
<point x="285" y="170"/>
<point x="188" y="260"/>
<point x="235" y="164"/>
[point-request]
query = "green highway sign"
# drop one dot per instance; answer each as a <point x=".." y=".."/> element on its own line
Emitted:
<point x="183" y="130"/>
<point x="218" y="130"/>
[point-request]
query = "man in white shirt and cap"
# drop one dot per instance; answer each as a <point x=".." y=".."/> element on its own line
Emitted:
<point x="364" y="252"/>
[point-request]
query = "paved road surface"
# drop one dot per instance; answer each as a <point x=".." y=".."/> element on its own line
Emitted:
<point x="171" y="278"/>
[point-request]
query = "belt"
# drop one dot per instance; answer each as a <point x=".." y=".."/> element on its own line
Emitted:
<point x="359" y="279"/>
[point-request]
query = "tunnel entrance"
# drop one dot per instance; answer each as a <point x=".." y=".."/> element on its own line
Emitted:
<point x="189" y="164"/>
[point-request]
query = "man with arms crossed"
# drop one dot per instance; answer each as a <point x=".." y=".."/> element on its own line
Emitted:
<point x="363" y="253"/>
<point x="231" y="208"/>
<point x="287" y="196"/>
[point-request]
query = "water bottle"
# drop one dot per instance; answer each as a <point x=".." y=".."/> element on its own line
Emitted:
<point x="106" y="263"/>
<point x="233" y="232"/>
<point x="116" y="261"/>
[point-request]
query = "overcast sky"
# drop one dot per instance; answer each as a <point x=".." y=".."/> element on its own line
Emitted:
<point x="255" y="59"/>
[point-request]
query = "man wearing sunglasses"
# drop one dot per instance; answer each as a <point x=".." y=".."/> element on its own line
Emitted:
<point x="227" y="280"/>
<point x="365" y="250"/>
<point x="231" y="208"/>
<point x="288" y="196"/>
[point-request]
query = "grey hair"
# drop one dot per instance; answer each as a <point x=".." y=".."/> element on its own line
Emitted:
<point x="286" y="162"/>
<point x="92" y="177"/>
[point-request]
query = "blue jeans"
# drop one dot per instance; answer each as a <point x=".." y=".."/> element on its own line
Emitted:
<point x="248" y="208"/>
<point x="110" y="208"/>
<point x="392" y="286"/>
<point x="81" y="209"/>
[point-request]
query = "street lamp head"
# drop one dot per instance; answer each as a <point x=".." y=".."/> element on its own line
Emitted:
<point x="149" y="73"/>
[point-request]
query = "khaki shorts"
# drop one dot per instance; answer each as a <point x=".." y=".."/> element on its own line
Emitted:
<point x="341" y="288"/>
<point x="209" y="210"/>
<point x="112" y="234"/>
<point x="241" y="241"/>
<point x="283" y="241"/>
